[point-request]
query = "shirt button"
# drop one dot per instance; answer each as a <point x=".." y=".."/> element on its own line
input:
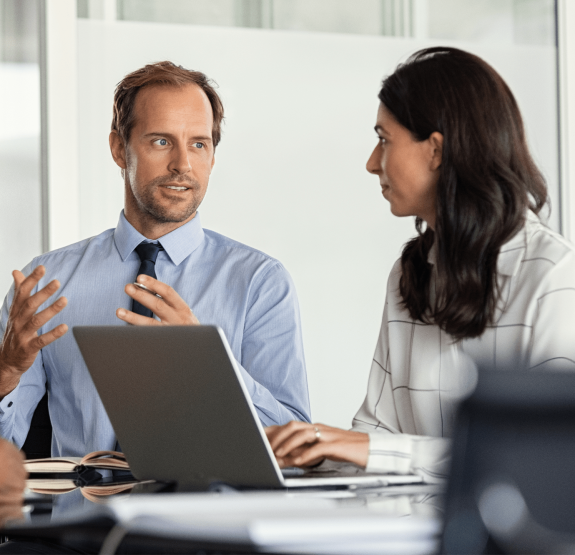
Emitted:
<point x="10" y="404"/>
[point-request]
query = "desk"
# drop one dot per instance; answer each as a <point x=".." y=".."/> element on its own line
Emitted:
<point x="80" y="524"/>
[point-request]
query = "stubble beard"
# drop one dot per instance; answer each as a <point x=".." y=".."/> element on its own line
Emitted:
<point x="166" y="212"/>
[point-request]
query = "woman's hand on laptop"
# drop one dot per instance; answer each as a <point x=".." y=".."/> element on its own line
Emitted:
<point x="303" y="444"/>
<point x="162" y="300"/>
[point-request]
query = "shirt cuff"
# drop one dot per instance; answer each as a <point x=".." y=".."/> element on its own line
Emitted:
<point x="7" y="404"/>
<point x="389" y="453"/>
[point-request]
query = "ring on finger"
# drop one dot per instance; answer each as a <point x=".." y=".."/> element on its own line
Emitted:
<point x="317" y="434"/>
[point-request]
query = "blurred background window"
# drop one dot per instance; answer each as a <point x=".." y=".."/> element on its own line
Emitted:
<point x="20" y="191"/>
<point x="499" y="21"/>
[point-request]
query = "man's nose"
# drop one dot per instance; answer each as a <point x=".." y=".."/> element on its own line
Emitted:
<point x="180" y="162"/>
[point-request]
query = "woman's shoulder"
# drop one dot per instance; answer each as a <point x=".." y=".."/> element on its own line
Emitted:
<point x="542" y="243"/>
<point x="535" y="247"/>
<point x="546" y="261"/>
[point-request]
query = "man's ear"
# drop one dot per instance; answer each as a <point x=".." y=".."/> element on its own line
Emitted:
<point x="118" y="150"/>
<point x="436" y="145"/>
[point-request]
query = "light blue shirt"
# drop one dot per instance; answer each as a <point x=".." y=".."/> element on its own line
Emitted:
<point x="247" y="293"/>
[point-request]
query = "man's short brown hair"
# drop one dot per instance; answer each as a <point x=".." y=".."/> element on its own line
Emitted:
<point x="161" y="73"/>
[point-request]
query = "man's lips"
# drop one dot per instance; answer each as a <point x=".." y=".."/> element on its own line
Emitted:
<point x="181" y="187"/>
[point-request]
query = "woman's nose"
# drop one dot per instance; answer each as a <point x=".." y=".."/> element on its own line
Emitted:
<point x="374" y="162"/>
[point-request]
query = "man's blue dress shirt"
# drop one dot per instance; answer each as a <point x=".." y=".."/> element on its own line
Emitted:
<point x="245" y="292"/>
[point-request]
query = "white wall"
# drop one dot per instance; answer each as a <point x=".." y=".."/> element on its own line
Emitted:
<point x="290" y="174"/>
<point x="566" y="46"/>
<point x="58" y="60"/>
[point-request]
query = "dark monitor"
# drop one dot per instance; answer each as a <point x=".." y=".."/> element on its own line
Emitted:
<point x="512" y="485"/>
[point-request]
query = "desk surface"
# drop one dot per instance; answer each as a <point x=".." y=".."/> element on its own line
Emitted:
<point x="391" y="505"/>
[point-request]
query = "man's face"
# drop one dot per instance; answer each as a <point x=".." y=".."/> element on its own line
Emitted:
<point x="169" y="155"/>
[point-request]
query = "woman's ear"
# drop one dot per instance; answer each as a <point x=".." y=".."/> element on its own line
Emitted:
<point x="436" y="144"/>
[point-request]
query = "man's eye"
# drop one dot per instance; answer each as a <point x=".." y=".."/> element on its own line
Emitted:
<point x="199" y="145"/>
<point x="161" y="142"/>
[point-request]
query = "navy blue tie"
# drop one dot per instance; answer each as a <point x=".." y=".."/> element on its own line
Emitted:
<point x="148" y="252"/>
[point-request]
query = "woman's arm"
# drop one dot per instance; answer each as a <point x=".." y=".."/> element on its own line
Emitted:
<point x="308" y="445"/>
<point x="377" y="440"/>
<point x="552" y="345"/>
<point x="391" y="450"/>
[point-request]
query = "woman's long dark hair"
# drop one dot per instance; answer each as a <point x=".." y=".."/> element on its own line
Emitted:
<point x="487" y="182"/>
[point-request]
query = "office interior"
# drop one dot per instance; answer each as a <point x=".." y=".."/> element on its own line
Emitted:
<point x="299" y="82"/>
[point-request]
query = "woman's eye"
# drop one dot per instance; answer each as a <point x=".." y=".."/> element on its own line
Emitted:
<point x="161" y="142"/>
<point x="381" y="140"/>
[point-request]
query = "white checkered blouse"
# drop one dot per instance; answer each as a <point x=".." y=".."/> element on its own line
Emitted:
<point x="419" y="373"/>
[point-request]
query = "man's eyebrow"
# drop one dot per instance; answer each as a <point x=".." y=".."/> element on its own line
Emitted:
<point x="202" y="137"/>
<point x="171" y="136"/>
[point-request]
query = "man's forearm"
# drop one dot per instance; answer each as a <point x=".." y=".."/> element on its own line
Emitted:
<point x="270" y="410"/>
<point x="9" y="380"/>
<point x="279" y="416"/>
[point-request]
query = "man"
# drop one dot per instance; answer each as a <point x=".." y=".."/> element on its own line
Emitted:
<point x="166" y="126"/>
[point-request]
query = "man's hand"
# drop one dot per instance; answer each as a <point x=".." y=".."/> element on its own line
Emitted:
<point x="12" y="474"/>
<point x="21" y="342"/>
<point x="303" y="444"/>
<point x="12" y="482"/>
<point x="171" y="309"/>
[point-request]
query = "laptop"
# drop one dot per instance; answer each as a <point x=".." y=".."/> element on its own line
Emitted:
<point x="182" y="413"/>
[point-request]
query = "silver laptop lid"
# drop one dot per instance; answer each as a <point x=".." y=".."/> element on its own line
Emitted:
<point x="178" y="405"/>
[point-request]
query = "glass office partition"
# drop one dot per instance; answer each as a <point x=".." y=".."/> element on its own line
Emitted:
<point x="506" y="21"/>
<point x="521" y="22"/>
<point x="299" y="81"/>
<point x="20" y="195"/>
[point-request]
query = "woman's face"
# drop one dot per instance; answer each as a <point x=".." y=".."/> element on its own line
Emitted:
<point x="408" y="169"/>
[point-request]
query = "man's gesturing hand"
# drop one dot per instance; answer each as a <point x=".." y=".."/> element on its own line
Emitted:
<point x="303" y="444"/>
<point x="171" y="309"/>
<point x="21" y="342"/>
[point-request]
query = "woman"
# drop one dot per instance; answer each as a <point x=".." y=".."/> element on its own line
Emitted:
<point x="483" y="282"/>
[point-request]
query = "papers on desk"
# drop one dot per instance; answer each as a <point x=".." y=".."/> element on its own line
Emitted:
<point x="275" y="523"/>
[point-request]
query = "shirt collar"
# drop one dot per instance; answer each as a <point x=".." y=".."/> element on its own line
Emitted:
<point x="178" y="244"/>
<point x="511" y="253"/>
